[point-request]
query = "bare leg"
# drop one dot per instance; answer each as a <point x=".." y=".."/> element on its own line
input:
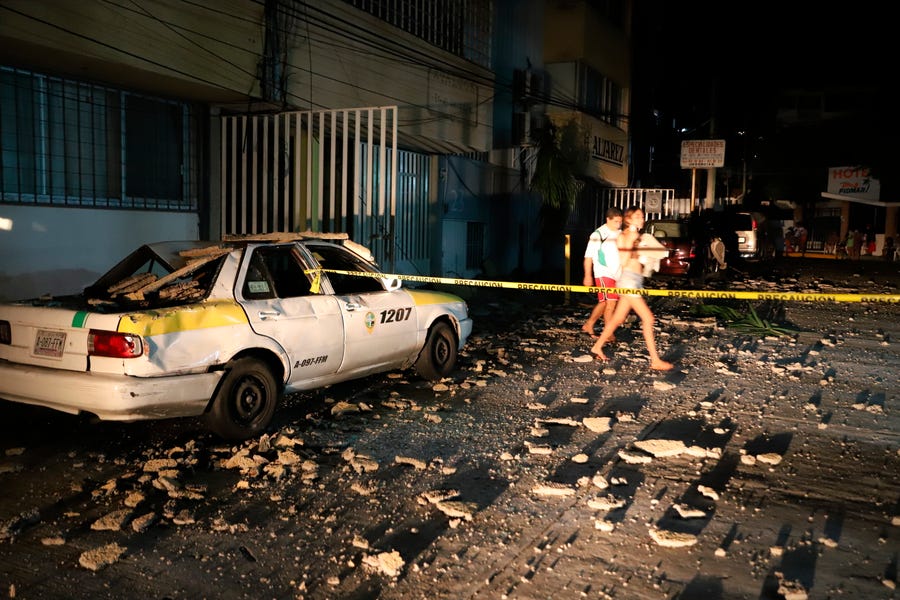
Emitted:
<point x="609" y="312"/>
<point x="596" y="312"/>
<point x="647" y="322"/>
<point x="610" y="326"/>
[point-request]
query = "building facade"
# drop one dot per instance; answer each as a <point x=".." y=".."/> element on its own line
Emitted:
<point x="404" y="123"/>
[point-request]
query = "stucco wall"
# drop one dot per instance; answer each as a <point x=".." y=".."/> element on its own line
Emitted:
<point x="60" y="250"/>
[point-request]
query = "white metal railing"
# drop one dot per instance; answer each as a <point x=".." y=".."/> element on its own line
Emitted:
<point x="326" y="170"/>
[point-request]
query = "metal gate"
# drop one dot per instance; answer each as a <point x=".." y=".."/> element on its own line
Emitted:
<point x="328" y="171"/>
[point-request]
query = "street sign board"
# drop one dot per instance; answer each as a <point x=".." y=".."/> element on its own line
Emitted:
<point x="702" y="154"/>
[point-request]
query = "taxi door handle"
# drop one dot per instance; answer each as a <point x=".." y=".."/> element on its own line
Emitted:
<point x="353" y="306"/>
<point x="267" y="314"/>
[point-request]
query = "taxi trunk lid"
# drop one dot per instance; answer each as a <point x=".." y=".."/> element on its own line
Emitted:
<point x="49" y="336"/>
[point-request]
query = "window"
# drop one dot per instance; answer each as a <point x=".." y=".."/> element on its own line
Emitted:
<point x="601" y="96"/>
<point x="276" y="272"/>
<point x="73" y="143"/>
<point x="474" y="245"/>
<point x="334" y="257"/>
<point x="457" y="26"/>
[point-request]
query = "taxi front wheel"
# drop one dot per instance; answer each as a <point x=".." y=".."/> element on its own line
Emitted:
<point x="245" y="401"/>
<point x="438" y="357"/>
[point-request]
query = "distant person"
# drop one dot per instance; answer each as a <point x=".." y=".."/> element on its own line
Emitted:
<point x="601" y="266"/>
<point x="789" y="240"/>
<point x="801" y="235"/>
<point x="887" y="252"/>
<point x="870" y="240"/>
<point x="831" y="243"/>
<point x="858" y="241"/>
<point x="632" y="277"/>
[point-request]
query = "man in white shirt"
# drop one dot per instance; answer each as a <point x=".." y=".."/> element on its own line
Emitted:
<point x="601" y="267"/>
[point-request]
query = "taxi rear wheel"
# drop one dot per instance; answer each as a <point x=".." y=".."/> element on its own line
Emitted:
<point x="245" y="401"/>
<point x="438" y="357"/>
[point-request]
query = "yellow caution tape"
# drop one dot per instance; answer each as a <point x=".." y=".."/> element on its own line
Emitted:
<point x="726" y="294"/>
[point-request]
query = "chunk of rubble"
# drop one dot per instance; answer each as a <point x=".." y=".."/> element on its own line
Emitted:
<point x="791" y="590"/>
<point x="560" y="421"/>
<point x="553" y="489"/>
<point x="361" y="489"/>
<point x="280" y="440"/>
<point x="435" y="496"/>
<point x="143" y="522"/>
<point x="663" y="386"/>
<point x="134" y="498"/>
<point x="708" y="492"/>
<point x="597" y="424"/>
<point x="343" y="408"/>
<point x="288" y="457"/>
<point x="361" y="463"/>
<point x="580" y="458"/>
<point x="686" y="512"/>
<point x="600" y="481"/>
<point x="159" y="464"/>
<point x="10" y="468"/>
<point x="607" y="503"/>
<point x="604" y="525"/>
<point x="103" y="556"/>
<point x="634" y="459"/>
<point x="769" y="458"/>
<point x="456" y="509"/>
<point x="701" y="452"/>
<point x="661" y="448"/>
<point x="389" y="563"/>
<point x="672" y="539"/>
<point x="413" y="462"/>
<point x="583" y="358"/>
<point x="54" y="540"/>
<point x="242" y="461"/>
<point x="538" y="448"/>
<point x="112" y="521"/>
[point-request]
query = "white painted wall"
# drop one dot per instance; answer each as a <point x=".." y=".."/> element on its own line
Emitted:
<point x="53" y="250"/>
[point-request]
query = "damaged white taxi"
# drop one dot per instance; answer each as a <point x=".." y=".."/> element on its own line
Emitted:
<point x="221" y="330"/>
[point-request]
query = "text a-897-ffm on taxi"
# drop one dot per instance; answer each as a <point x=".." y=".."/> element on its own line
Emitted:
<point x="221" y="330"/>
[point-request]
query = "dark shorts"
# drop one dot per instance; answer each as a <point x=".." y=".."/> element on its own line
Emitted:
<point x="605" y="282"/>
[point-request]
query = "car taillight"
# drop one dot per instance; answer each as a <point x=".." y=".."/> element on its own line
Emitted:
<point x="114" y="344"/>
<point x="5" y="333"/>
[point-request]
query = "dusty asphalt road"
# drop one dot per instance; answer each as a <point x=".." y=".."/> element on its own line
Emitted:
<point x="762" y="467"/>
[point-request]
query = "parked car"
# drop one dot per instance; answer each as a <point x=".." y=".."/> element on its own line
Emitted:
<point x="744" y="225"/>
<point x="222" y="330"/>
<point x="674" y="235"/>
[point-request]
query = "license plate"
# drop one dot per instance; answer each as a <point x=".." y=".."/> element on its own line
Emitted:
<point x="741" y="240"/>
<point x="49" y="343"/>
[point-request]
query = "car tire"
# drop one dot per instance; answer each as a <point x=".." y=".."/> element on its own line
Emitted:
<point x="244" y="401"/>
<point x="438" y="357"/>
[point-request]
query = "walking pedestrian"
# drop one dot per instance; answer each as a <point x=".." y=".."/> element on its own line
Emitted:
<point x="632" y="277"/>
<point x="601" y="266"/>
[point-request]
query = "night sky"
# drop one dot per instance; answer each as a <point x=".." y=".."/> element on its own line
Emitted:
<point x="718" y="69"/>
